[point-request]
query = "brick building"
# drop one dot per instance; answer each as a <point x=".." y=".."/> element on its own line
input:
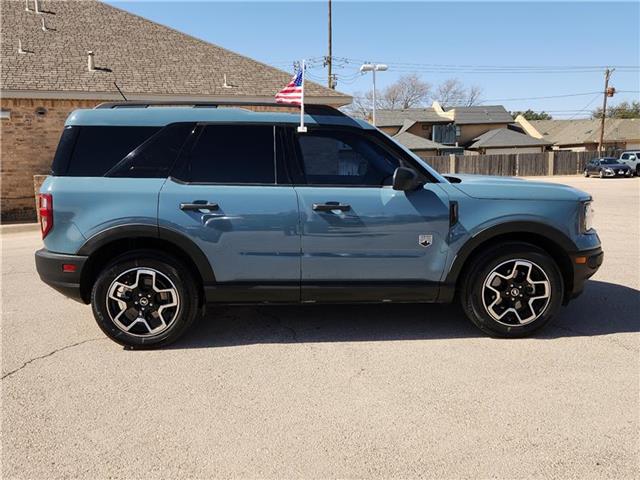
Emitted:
<point x="47" y="71"/>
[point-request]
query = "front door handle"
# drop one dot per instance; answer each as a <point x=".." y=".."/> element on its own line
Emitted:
<point x="199" y="206"/>
<point x="329" y="206"/>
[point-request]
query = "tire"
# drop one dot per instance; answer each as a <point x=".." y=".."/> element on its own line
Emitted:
<point x="601" y="173"/>
<point x="638" y="170"/>
<point x="517" y="317"/>
<point x="160" y="305"/>
<point x="586" y="173"/>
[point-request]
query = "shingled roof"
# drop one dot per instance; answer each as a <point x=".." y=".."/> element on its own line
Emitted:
<point x="147" y="60"/>
<point x="480" y="114"/>
<point x="576" y="132"/>
<point x="395" y="118"/>
<point x="413" y="141"/>
<point x="503" y="137"/>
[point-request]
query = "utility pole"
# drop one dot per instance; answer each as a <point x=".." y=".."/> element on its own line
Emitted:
<point x="607" y="93"/>
<point x="330" y="55"/>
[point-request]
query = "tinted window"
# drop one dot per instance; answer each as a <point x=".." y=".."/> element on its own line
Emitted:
<point x="233" y="154"/>
<point x="98" y="149"/>
<point x="64" y="150"/>
<point x="155" y="157"/>
<point x="344" y="158"/>
<point x="608" y="161"/>
<point x="625" y="156"/>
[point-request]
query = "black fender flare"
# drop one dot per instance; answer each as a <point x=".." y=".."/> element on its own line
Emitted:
<point x="131" y="231"/>
<point x="550" y="233"/>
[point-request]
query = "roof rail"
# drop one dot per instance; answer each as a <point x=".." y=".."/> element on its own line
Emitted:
<point x="311" y="109"/>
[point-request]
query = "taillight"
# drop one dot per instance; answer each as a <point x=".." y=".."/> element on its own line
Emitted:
<point x="45" y="204"/>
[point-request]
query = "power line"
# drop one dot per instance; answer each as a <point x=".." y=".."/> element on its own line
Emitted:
<point x="406" y="67"/>
<point x="539" y="98"/>
<point x="586" y="106"/>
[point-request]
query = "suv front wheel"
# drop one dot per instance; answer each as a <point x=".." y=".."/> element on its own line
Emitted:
<point x="142" y="300"/>
<point x="512" y="290"/>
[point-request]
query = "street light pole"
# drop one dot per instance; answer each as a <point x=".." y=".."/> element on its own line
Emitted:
<point x="373" y="68"/>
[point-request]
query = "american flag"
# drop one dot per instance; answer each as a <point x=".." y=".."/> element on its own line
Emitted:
<point x="292" y="93"/>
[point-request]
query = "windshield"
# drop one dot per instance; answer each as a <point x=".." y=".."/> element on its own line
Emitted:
<point x="608" y="161"/>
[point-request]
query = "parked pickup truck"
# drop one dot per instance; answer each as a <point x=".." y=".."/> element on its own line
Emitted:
<point x="150" y="214"/>
<point x="632" y="159"/>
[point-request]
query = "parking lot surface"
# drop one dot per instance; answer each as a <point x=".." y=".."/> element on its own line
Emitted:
<point x="330" y="391"/>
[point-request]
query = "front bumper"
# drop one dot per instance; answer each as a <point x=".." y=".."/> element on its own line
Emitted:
<point x="51" y="268"/>
<point x="617" y="173"/>
<point x="584" y="264"/>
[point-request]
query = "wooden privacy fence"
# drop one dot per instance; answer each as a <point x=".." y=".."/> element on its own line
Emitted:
<point x="515" y="164"/>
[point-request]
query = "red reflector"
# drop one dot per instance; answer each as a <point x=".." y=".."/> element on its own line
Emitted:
<point x="45" y="204"/>
<point x="68" y="267"/>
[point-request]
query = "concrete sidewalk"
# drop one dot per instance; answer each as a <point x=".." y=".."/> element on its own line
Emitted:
<point x="6" y="229"/>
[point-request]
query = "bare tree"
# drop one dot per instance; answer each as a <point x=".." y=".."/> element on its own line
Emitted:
<point x="453" y="93"/>
<point x="360" y="106"/>
<point x="450" y="92"/>
<point x="473" y="95"/>
<point x="409" y="91"/>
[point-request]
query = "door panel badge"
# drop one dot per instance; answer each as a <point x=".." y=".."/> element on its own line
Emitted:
<point x="425" y="240"/>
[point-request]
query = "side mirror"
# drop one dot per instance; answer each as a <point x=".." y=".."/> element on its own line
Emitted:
<point x="405" y="179"/>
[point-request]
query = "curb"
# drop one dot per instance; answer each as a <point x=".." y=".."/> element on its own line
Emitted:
<point x="19" y="228"/>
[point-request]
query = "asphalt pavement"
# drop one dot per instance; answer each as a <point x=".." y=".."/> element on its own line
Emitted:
<point x="374" y="391"/>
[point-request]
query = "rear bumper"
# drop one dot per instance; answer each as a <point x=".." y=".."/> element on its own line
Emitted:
<point x="585" y="264"/>
<point x="50" y="268"/>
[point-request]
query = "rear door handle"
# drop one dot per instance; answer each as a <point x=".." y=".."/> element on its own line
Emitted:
<point x="329" y="206"/>
<point x="199" y="206"/>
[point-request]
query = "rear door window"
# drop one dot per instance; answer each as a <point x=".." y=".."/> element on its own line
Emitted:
<point x="233" y="154"/>
<point x="98" y="149"/>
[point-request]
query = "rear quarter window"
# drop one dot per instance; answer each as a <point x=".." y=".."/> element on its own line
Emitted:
<point x="97" y="149"/>
<point x="156" y="156"/>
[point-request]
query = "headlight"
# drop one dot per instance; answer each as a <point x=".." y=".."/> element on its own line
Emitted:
<point x="608" y="170"/>
<point x="587" y="216"/>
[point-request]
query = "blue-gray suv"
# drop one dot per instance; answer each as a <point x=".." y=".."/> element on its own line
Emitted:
<point x="152" y="212"/>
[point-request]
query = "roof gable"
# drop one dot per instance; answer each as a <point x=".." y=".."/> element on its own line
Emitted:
<point x="503" y="137"/>
<point x="143" y="57"/>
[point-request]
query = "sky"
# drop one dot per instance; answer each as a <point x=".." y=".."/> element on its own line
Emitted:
<point x="480" y="43"/>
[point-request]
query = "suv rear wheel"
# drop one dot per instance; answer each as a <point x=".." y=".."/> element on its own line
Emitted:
<point x="512" y="290"/>
<point x="144" y="300"/>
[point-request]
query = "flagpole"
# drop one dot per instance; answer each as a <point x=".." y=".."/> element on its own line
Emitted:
<point x="302" y="128"/>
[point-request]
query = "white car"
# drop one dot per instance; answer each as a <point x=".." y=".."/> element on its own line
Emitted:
<point x="631" y="158"/>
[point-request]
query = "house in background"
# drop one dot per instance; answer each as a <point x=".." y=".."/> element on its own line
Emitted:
<point x="584" y="135"/>
<point x="456" y="129"/>
<point x="468" y="123"/>
<point x="421" y="146"/>
<point x="391" y="121"/>
<point x="505" y="141"/>
<point x="48" y="72"/>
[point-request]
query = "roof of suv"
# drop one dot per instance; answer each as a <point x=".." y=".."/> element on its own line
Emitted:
<point x="160" y="116"/>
